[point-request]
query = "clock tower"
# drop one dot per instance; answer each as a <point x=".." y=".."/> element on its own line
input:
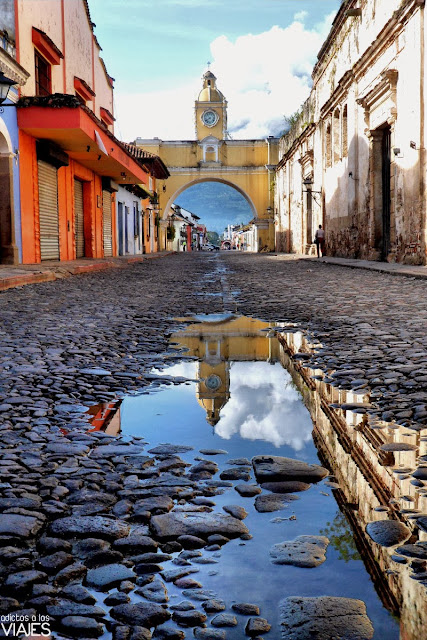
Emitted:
<point x="211" y="110"/>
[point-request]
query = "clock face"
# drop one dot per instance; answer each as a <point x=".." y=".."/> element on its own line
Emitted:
<point x="210" y="118"/>
<point x="213" y="382"/>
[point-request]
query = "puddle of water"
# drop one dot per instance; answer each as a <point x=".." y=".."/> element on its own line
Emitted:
<point x="246" y="403"/>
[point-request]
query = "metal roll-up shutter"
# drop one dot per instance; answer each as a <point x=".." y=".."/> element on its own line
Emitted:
<point x="107" y="223"/>
<point x="48" y="211"/>
<point x="79" y="219"/>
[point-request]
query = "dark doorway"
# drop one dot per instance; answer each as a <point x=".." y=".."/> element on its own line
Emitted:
<point x="386" y="174"/>
<point x="309" y="217"/>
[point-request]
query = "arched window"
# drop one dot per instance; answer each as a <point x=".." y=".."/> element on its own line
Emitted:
<point x="344" y="134"/>
<point x="336" y="135"/>
<point x="328" y="144"/>
<point x="210" y="154"/>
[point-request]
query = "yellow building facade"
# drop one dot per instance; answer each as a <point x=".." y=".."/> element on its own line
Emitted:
<point x="246" y="165"/>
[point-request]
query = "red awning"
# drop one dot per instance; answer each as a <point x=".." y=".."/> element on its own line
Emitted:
<point x="78" y="133"/>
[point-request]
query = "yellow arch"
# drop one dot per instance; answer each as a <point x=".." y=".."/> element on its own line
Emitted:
<point x="191" y="183"/>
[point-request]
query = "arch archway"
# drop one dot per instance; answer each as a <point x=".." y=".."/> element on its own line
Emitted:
<point x="192" y="183"/>
<point x="6" y="201"/>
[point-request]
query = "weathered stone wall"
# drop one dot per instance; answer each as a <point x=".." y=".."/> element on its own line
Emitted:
<point x="368" y="84"/>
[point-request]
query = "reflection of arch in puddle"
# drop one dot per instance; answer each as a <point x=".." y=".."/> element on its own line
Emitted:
<point x="371" y="483"/>
<point x="215" y="342"/>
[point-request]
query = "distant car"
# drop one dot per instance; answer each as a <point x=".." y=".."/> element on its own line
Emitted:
<point x="209" y="247"/>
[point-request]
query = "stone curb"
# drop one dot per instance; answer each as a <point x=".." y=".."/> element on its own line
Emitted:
<point x="59" y="271"/>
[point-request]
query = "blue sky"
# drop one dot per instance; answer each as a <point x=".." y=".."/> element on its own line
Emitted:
<point x="262" y="52"/>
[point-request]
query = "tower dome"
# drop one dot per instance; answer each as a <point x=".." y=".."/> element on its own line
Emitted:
<point x="209" y="92"/>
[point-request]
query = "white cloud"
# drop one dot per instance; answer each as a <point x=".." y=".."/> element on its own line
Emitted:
<point x="301" y="16"/>
<point x="263" y="407"/>
<point x="264" y="77"/>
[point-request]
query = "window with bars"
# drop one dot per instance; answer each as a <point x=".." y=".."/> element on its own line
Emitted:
<point x="43" y="75"/>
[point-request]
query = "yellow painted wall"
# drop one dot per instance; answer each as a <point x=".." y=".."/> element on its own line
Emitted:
<point x="236" y="153"/>
<point x="242" y="165"/>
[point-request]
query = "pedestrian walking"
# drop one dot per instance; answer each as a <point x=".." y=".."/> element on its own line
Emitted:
<point x="319" y="241"/>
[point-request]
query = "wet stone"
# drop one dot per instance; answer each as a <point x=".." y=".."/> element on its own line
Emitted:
<point x="290" y="486"/>
<point x="255" y="626"/>
<point x="236" y="511"/>
<point x="169" y="449"/>
<point x="422" y="523"/>
<point x="72" y="572"/>
<point x="273" y="502"/>
<point x="144" y="614"/>
<point x="210" y="634"/>
<point x="244" y="462"/>
<point x="136" y="543"/>
<point x="8" y="604"/>
<point x="388" y="533"/>
<point x="187" y="583"/>
<point x="279" y="469"/>
<point x="324" y="618"/>
<point x="418" y="550"/>
<point x="224" y="620"/>
<point x="173" y="525"/>
<point x="108" y="576"/>
<point x="420" y="473"/>
<point x="22" y="582"/>
<point x="191" y="542"/>
<point x="398" y="446"/>
<point x="78" y="593"/>
<point x="19" y="526"/>
<point x="140" y="633"/>
<point x="64" y="607"/>
<point x="117" y="598"/>
<point x="246" y="609"/>
<point x="50" y="545"/>
<point x="304" y="551"/>
<point x="55" y="562"/>
<point x="189" y="618"/>
<point x="235" y="474"/>
<point x="247" y="490"/>
<point x="213" y="606"/>
<point x="96" y="526"/>
<point x="213" y="452"/>
<point x="81" y="627"/>
<point x="185" y="605"/>
<point x="163" y="633"/>
<point x="84" y="548"/>
<point x="175" y="574"/>
<point x="155" y="591"/>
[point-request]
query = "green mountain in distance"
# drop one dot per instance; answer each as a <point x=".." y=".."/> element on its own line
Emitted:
<point x="217" y="204"/>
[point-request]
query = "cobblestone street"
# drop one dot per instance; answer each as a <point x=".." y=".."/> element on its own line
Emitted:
<point x="83" y="512"/>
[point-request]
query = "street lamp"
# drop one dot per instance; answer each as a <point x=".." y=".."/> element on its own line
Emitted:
<point x="5" y="84"/>
<point x="308" y="182"/>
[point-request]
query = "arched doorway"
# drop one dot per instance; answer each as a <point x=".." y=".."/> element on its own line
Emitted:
<point x="6" y="202"/>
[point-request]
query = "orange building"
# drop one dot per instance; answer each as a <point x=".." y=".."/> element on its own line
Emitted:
<point x="71" y="162"/>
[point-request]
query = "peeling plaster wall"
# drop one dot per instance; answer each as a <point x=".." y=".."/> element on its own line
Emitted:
<point x="370" y="66"/>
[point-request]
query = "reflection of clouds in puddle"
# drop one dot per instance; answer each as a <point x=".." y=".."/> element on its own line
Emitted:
<point x="262" y="407"/>
<point x="180" y="370"/>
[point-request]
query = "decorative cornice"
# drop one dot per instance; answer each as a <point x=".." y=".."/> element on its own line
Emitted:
<point x="12" y="69"/>
<point x="217" y="169"/>
<point x="297" y="142"/>
<point x="339" y="93"/>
